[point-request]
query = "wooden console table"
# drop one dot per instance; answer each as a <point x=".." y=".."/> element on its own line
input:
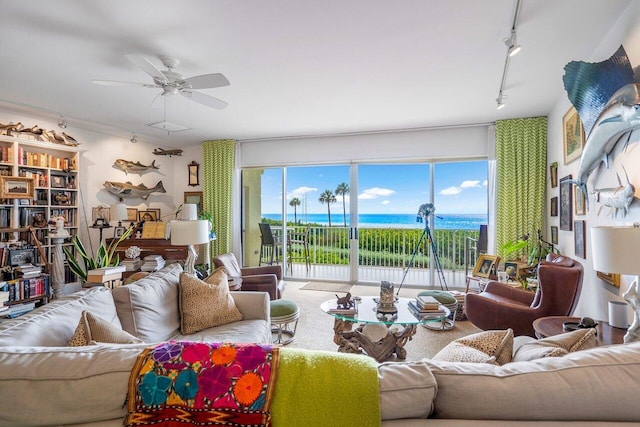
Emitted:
<point x="148" y="247"/>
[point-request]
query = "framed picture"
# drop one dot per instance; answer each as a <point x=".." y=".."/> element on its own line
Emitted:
<point x="554" y="206"/>
<point x="566" y="204"/>
<point x="572" y="135"/>
<point x="486" y="265"/>
<point x="610" y="278"/>
<point x="157" y="213"/>
<point x="553" y="174"/>
<point x="579" y="239"/>
<point x="132" y="214"/>
<point x="14" y="187"/>
<point x="148" y="215"/>
<point x="58" y="181"/>
<point x="194" y="197"/>
<point x="554" y="234"/>
<point x="118" y="232"/>
<point x="194" y="173"/>
<point x="581" y="203"/>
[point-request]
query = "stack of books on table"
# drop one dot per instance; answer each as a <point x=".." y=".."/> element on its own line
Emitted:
<point x="351" y="311"/>
<point x="152" y="263"/>
<point x="105" y="274"/>
<point x="425" y="307"/>
<point x="132" y="264"/>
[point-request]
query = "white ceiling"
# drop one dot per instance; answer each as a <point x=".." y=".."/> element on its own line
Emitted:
<point x="296" y="67"/>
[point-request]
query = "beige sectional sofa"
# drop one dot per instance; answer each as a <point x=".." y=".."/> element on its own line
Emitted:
<point x="44" y="382"/>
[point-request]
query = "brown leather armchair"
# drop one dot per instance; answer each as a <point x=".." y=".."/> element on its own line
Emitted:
<point x="267" y="278"/>
<point x="501" y="306"/>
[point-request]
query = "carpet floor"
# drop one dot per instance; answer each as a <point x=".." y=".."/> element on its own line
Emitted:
<point x="327" y="287"/>
<point x="315" y="328"/>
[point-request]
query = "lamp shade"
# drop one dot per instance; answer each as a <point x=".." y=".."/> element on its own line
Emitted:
<point x="189" y="232"/>
<point x="118" y="212"/>
<point x="615" y="249"/>
<point x="189" y="211"/>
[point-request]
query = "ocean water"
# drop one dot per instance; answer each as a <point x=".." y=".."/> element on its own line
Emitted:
<point x="442" y="221"/>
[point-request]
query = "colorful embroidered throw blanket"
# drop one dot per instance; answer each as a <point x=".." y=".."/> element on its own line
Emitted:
<point x="202" y="384"/>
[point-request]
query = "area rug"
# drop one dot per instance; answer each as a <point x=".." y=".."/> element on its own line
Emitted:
<point x="327" y="287"/>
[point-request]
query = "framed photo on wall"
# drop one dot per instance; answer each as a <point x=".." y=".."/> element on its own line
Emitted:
<point x="572" y="135"/>
<point x="132" y="214"/>
<point x="610" y="278"/>
<point x="579" y="239"/>
<point x="580" y="201"/>
<point x="194" y="197"/>
<point x="554" y="206"/>
<point x="13" y="187"/>
<point x="554" y="234"/>
<point x="566" y="204"/>
<point x="553" y="174"/>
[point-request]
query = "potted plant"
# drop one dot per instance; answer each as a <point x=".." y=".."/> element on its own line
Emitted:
<point x="105" y="256"/>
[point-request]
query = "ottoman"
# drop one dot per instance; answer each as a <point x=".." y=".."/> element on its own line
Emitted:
<point x="283" y="314"/>
<point x="449" y="301"/>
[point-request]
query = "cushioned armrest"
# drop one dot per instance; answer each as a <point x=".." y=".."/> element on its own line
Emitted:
<point x="253" y="305"/>
<point x="510" y="292"/>
<point x="265" y="269"/>
<point x="266" y="279"/>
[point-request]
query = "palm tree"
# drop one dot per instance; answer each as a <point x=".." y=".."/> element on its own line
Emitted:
<point x="327" y="197"/>
<point x="295" y="202"/>
<point x="342" y="190"/>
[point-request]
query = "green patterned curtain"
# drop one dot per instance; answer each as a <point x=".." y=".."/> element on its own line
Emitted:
<point x="218" y="162"/>
<point x="521" y="165"/>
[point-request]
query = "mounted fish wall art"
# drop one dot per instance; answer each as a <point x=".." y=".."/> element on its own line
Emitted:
<point x="128" y="190"/>
<point x="607" y="97"/>
<point x="127" y="166"/>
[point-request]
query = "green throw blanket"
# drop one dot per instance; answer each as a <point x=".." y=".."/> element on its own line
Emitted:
<point x="316" y="388"/>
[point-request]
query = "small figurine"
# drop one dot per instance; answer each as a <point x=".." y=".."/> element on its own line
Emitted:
<point x="345" y="301"/>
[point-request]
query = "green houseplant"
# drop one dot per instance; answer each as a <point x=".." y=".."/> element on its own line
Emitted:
<point x="105" y="256"/>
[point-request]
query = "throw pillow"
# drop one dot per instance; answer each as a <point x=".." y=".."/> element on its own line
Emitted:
<point x="493" y="347"/>
<point x="206" y="303"/>
<point x="557" y="345"/>
<point x="92" y="330"/>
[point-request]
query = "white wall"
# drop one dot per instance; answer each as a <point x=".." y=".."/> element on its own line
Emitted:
<point x="98" y="153"/>
<point x="595" y="292"/>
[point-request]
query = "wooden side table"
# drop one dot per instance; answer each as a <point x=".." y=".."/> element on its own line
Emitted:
<point x="552" y="325"/>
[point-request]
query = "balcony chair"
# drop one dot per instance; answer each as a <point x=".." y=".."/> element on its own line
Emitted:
<point x="501" y="306"/>
<point x="267" y="278"/>
<point x="270" y="245"/>
<point x="300" y="239"/>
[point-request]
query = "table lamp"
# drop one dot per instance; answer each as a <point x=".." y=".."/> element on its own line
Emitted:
<point x="615" y="250"/>
<point x="118" y="212"/>
<point x="189" y="211"/>
<point x="190" y="233"/>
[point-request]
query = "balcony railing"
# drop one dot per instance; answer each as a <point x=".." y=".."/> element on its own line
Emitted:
<point x="383" y="253"/>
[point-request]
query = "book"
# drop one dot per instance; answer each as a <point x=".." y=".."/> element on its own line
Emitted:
<point x="343" y="311"/>
<point x="427" y="302"/>
<point x="105" y="271"/>
<point x="413" y="308"/>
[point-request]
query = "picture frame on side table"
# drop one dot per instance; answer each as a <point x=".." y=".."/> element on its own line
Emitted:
<point x="554" y="234"/>
<point x="572" y="135"/>
<point x="118" y="232"/>
<point x="580" y="204"/>
<point x="553" y="174"/>
<point x="579" y="239"/>
<point x="553" y="206"/>
<point x="486" y="265"/>
<point x="611" y="278"/>
<point x="566" y="204"/>
<point x="14" y="187"/>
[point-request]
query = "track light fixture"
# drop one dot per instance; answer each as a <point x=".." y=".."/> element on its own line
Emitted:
<point x="512" y="44"/>
<point x="512" y="48"/>
<point x="62" y="122"/>
<point x="134" y="138"/>
<point x="500" y="101"/>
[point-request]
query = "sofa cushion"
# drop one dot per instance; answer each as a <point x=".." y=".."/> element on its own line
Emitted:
<point x="552" y="388"/>
<point x="407" y="390"/>
<point x="205" y="304"/>
<point x="557" y="345"/>
<point x="65" y="385"/>
<point x="493" y="347"/>
<point x="148" y="308"/>
<point x="53" y="324"/>
<point x="92" y="330"/>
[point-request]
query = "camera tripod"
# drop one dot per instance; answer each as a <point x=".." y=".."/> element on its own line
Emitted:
<point x="436" y="261"/>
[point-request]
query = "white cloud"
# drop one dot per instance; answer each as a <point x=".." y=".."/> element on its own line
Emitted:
<point x="375" y="192"/>
<point x="386" y="202"/>
<point x="300" y="192"/>
<point x="484" y="183"/>
<point x="470" y="184"/>
<point x="451" y="191"/>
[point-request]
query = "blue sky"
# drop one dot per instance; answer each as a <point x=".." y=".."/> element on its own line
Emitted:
<point x="460" y="187"/>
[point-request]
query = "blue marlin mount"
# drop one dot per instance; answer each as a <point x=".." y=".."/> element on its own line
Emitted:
<point x="607" y="97"/>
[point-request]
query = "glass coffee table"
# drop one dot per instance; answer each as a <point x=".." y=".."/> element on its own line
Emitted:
<point x="375" y="334"/>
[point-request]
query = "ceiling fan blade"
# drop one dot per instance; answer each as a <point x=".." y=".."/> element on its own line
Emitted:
<point x="145" y="65"/>
<point x="207" y="81"/>
<point x="203" y="99"/>
<point x="116" y="83"/>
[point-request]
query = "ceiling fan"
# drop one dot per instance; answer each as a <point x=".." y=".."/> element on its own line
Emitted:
<point x="172" y="82"/>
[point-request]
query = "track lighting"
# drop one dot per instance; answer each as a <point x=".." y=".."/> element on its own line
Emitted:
<point x="512" y="44"/>
<point x="62" y="122"/>
<point x="500" y="101"/>
<point x="512" y="48"/>
<point x="133" y="139"/>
